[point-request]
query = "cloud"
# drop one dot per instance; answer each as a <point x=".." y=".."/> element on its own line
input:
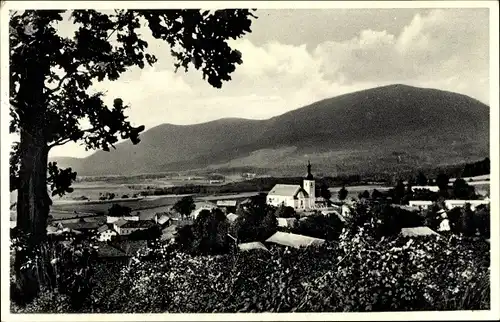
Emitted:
<point x="444" y="49"/>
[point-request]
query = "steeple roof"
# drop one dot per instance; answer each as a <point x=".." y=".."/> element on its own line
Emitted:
<point x="309" y="175"/>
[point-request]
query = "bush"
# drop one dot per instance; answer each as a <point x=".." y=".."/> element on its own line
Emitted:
<point x="64" y="269"/>
<point x="353" y="275"/>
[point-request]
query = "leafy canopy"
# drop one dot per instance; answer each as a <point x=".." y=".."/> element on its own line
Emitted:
<point x="104" y="45"/>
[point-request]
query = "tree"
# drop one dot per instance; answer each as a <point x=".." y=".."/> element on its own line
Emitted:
<point x="119" y="211"/>
<point x="327" y="227"/>
<point x="462" y="190"/>
<point x="442" y="181"/>
<point x="285" y="212"/>
<point x="364" y="195"/>
<point x="421" y="179"/>
<point x="255" y="222"/>
<point x="376" y="194"/>
<point x="50" y="96"/>
<point x="269" y="226"/>
<point x="324" y="191"/>
<point x="342" y="193"/>
<point x="185" y="206"/>
<point x="210" y="232"/>
<point x="399" y="192"/>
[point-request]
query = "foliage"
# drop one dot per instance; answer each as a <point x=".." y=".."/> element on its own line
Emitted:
<point x="353" y="275"/>
<point x="465" y="221"/>
<point x="461" y="190"/>
<point x="184" y="206"/>
<point x="117" y="210"/>
<point x="381" y="220"/>
<point x="256" y="222"/>
<point x="52" y="101"/>
<point x="442" y="181"/>
<point x="328" y="227"/>
<point x="358" y="273"/>
<point x="421" y="179"/>
<point x="324" y="191"/>
<point x="63" y="269"/>
<point x="285" y="212"/>
<point x="364" y="195"/>
<point x="107" y="196"/>
<point x="210" y="233"/>
<point x="151" y="233"/>
<point x="342" y="193"/>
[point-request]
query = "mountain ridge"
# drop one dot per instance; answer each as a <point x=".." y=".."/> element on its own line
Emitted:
<point x="448" y="126"/>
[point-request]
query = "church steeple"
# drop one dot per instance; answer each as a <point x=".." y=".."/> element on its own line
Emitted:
<point x="309" y="175"/>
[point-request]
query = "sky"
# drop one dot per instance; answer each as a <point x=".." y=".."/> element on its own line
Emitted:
<point x="296" y="57"/>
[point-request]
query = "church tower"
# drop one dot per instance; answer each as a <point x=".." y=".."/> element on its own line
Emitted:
<point x="309" y="186"/>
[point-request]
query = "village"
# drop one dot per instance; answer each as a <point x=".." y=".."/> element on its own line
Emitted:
<point x="124" y="232"/>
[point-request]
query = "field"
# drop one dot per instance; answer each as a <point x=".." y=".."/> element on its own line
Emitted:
<point x="67" y="206"/>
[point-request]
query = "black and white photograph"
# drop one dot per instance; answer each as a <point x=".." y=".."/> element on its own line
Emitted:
<point x="317" y="160"/>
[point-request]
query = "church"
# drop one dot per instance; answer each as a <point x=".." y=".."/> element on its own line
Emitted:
<point x="296" y="196"/>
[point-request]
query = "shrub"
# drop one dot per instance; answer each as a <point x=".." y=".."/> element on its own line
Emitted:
<point x="353" y="275"/>
<point x="63" y="268"/>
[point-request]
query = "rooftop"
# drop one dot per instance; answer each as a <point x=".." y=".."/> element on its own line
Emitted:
<point x="285" y="190"/>
<point x="252" y="246"/>
<point x="232" y="217"/>
<point x="418" y="231"/>
<point x="138" y="224"/>
<point x="294" y="240"/>
<point x="226" y="203"/>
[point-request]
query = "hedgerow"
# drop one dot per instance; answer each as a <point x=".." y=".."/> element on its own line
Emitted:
<point x="351" y="275"/>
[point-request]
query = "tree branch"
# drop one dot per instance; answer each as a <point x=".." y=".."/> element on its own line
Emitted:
<point x="51" y="91"/>
<point x="59" y="142"/>
<point x="65" y="140"/>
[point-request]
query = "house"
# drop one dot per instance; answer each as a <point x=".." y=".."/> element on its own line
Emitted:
<point x="200" y="206"/>
<point x="418" y="232"/>
<point x="105" y="233"/>
<point x="295" y="196"/>
<point x="421" y="204"/>
<point x="169" y="233"/>
<point x="163" y="219"/>
<point x="231" y="217"/>
<point x="342" y="208"/>
<point x="450" y="204"/>
<point x="287" y="222"/>
<point x="333" y="212"/>
<point x="112" y="219"/>
<point x="294" y="240"/>
<point x="82" y="225"/>
<point x="252" y="246"/>
<point x="227" y="205"/>
<point x="52" y="230"/>
<point x="430" y="188"/>
<point x="405" y="207"/>
<point x="124" y="227"/>
<point x="321" y="203"/>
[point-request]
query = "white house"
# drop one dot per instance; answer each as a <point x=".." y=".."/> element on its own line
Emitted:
<point x="286" y="222"/>
<point x="294" y="240"/>
<point x="300" y="198"/>
<point x="105" y="233"/>
<point x="424" y="204"/>
<point x="450" y="204"/>
<point x="430" y="188"/>
<point x="124" y="227"/>
<point x="112" y="219"/>
<point x="200" y="206"/>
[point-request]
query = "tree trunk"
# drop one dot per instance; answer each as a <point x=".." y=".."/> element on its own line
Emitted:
<point x="33" y="204"/>
<point x="33" y="201"/>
